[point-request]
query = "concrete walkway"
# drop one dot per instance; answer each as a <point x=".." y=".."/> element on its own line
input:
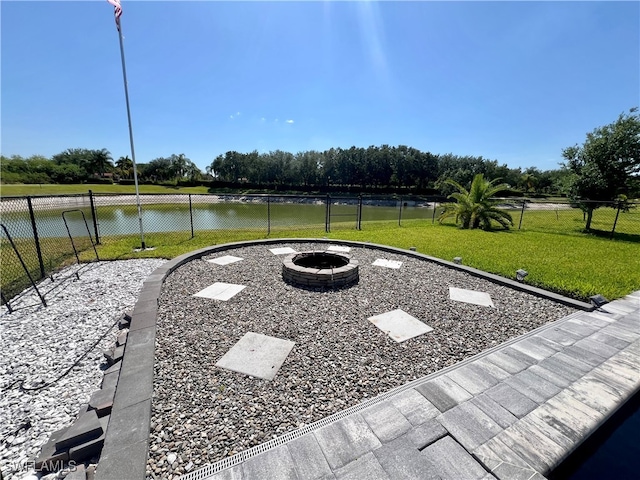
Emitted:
<point x="512" y="412"/>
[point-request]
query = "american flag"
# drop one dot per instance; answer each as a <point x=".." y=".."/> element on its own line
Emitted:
<point x="117" y="11"/>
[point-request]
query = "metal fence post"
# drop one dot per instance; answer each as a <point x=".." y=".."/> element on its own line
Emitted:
<point x="359" y="223"/>
<point x="433" y="216"/>
<point x="521" y="213"/>
<point x="268" y="214"/>
<point x="24" y="266"/>
<point x="94" y="216"/>
<point x="400" y="213"/>
<point x="615" y="221"/>
<point x="191" y="215"/>
<point x="35" y="237"/>
<point x="327" y="220"/>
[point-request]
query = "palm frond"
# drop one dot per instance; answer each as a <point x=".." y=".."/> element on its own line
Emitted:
<point x="475" y="207"/>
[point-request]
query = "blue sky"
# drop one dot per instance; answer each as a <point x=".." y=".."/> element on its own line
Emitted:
<point x="511" y="81"/>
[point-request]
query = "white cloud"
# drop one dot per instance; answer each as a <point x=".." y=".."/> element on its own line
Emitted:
<point x="289" y="121"/>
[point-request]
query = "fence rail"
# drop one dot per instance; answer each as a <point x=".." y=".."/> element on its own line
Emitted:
<point x="42" y="239"/>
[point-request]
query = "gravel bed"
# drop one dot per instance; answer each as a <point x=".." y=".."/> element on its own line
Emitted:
<point x="202" y="414"/>
<point x="38" y="344"/>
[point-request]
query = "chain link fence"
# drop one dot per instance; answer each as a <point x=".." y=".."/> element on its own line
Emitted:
<point x="45" y="242"/>
<point x="34" y="241"/>
<point x="609" y="219"/>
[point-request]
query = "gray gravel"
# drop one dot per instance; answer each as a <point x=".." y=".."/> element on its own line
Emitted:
<point x="202" y="414"/>
<point x="38" y="344"/>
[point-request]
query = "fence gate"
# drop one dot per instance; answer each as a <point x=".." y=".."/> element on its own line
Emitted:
<point x="341" y="211"/>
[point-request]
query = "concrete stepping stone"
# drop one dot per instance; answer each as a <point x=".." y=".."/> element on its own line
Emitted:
<point x="339" y="248"/>
<point x="226" y="260"/>
<point x="381" y="262"/>
<point x="470" y="296"/>
<point x="220" y="291"/>
<point x="282" y="250"/>
<point x="256" y="355"/>
<point x="399" y="325"/>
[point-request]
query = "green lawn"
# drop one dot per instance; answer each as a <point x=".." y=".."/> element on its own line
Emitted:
<point x="553" y="249"/>
<point x="572" y="220"/>
<point x="576" y="265"/>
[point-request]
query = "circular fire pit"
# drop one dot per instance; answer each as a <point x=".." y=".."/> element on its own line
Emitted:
<point x="320" y="269"/>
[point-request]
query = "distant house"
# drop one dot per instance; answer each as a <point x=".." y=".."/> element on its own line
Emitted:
<point x="106" y="176"/>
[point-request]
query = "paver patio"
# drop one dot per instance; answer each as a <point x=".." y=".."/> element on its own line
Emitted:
<point x="484" y="417"/>
<point x="513" y="412"/>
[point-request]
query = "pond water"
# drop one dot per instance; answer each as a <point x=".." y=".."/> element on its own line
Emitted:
<point x="123" y="219"/>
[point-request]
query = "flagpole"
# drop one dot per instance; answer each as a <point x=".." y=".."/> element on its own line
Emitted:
<point x="133" y="153"/>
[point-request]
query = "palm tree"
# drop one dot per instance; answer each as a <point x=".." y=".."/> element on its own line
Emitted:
<point x="529" y="181"/>
<point x="101" y="162"/>
<point x="125" y="166"/>
<point x="178" y="165"/>
<point x="475" y="208"/>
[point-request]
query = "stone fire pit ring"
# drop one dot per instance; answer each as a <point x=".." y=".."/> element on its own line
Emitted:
<point x="320" y="269"/>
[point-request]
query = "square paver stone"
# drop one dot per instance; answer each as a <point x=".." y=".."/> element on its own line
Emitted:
<point x="339" y="248"/>
<point x="470" y="296"/>
<point x="226" y="260"/>
<point x="399" y="325"/>
<point x="282" y="250"/>
<point x="220" y="291"/>
<point x="381" y="262"/>
<point x="256" y="355"/>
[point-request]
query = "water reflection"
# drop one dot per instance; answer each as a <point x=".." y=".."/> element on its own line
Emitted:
<point x="123" y="219"/>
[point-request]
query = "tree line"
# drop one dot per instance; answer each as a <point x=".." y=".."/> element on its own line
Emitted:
<point x="81" y="165"/>
<point x="376" y="168"/>
<point x="606" y="168"/>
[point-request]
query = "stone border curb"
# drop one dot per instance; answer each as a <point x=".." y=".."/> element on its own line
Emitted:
<point x="126" y="445"/>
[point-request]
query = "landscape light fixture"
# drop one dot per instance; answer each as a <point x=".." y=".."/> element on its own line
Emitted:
<point x="457" y="260"/>
<point x="520" y="274"/>
<point x="598" y="300"/>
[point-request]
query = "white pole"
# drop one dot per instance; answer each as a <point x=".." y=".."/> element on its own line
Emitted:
<point x="133" y="153"/>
